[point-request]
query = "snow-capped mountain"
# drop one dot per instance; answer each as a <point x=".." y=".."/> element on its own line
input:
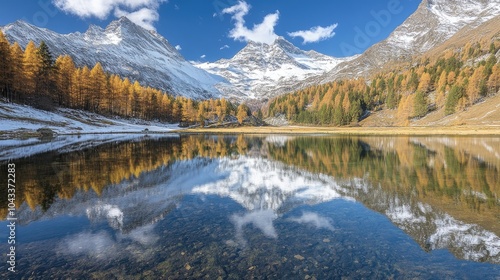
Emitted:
<point x="126" y="49"/>
<point x="261" y="71"/>
<point x="434" y="22"/>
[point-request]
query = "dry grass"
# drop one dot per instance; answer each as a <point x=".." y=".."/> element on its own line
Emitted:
<point x="485" y="113"/>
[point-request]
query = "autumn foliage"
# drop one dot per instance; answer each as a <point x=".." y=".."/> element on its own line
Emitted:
<point x="35" y="78"/>
<point x="457" y="79"/>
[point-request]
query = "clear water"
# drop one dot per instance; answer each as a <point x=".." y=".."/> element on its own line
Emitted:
<point x="270" y="207"/>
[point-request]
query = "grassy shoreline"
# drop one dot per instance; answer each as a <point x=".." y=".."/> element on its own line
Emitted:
<point x="452" y="130"/>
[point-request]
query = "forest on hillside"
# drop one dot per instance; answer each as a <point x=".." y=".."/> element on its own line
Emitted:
<point x="32" y="76"/>
<point x="457" y="79"/>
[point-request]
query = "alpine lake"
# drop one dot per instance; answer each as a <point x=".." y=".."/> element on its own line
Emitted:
<point x="253" y="207"/>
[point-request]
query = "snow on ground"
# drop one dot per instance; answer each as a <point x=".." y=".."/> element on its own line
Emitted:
<point x="15" y="117"/>
<point x="76" y="130"/>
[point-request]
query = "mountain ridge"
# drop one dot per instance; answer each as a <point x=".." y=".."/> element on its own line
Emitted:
<point x="128" y="50"/>
<point x="436" y="22"/>
<point x="263" y="71"/>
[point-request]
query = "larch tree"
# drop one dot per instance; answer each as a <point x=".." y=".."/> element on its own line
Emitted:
<point x="64" y="79"/>
<point x="450" y="80"/>
<point x="31" y="67"/>
<point x="99" y="88"/>
<point x="6" y="73"/>
<point x="16" y="54"/>
<point x="346" y="103"/>
<point x="188" y="111"/>
<point x="494" y="80"/>
<point x="137" y="94"/>
<point x="126" y="92"/>
<point x="76" y="94"/>
<point x="201" y="114"/>
<point x="86" y="87"/>
<point x="425" y="83"/>
<point x="242" y="113"/>
<point x="475" y="86"/>
<point x="114" y="94"/>
<point x="176" y="111"/>
<point x="223" y="110"/>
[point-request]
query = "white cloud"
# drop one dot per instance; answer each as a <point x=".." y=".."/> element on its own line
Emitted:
<point x="141" y="12"/>
<point x="97" y="245"/>
<point x="315" y="34"/>
<point x="203" y="56"/>
<point x="144" y="17"/>
<point x="261" y="219"/>
<point x="178" y="47"/>
<point x="314" y="220"/>
<point x="224" y="47"/>
<point x="260" y="33"/>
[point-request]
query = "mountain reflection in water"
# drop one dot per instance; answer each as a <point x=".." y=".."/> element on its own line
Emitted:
<point x="152" y="203"/>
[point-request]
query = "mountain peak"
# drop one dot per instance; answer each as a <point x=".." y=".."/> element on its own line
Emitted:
<point x="122" y="22"/>
<point x="20" y="24"/>
<point x="125" y="21"/>
<point x="263" y="71"/>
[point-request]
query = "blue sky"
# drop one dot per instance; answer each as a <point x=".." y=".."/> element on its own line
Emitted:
<point x="207" y="30"/>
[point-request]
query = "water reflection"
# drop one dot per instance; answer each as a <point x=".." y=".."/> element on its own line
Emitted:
<point x="168" y="202"/>
<point x="313" y="219"/>
<point x="261" y="219"/>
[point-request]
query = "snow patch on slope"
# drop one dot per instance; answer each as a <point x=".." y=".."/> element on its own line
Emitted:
<point x="68" y="121"/>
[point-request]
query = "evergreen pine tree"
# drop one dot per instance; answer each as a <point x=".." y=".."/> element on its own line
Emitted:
<point x="420" y="106"/>
<point x="456" y="92"/>
<point x="45" y="77"/>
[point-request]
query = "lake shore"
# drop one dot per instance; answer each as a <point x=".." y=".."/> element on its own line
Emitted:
<point x="451" y="130"/>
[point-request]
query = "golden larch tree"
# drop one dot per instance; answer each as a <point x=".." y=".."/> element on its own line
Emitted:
<point x="17" y="54"/>
<point x="242" y="113"/>
<point x="6" y="73"/>
<point x="64" y="79"/>
<point x="31" y="67"/>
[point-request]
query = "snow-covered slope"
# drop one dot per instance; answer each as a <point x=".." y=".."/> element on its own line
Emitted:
<point x="19" y="119"/>
<point x="261" y="71"/>
<point x="434" y="22"/>
<point x="128" y="50"/>
<point x="437" y="20"/>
